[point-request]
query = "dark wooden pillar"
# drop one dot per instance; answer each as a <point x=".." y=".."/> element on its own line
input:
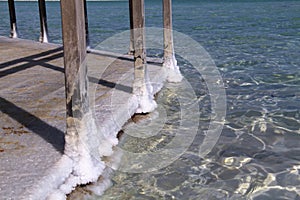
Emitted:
<point x="168" y="36"/>
<point x="170" y="62"/>
<point x="131" y="49"/>
<point x="140" y="65"/>
<point x="82" y="137"/>
<point x="141" y="86"/>
<point x="87" y="36"/>
<point x="13" y="19"/>
<point x="73" y="31"/>
<point x="43" y="21"/>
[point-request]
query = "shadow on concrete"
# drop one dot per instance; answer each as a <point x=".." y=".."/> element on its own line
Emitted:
<point x="49" y="133"/>
<point x="40" y="59"/>
<point x="31" y="61"/>
<point x="109" y="84"/>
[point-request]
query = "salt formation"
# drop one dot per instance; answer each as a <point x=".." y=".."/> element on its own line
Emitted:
<point x="172" y="69"/>
<point x="145" y="99"/>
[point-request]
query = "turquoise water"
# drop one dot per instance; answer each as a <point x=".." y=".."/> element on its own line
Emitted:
<point x="256" y="46"/>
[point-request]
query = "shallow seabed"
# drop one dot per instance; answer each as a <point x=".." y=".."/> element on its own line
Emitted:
<point x="257" y="156"/>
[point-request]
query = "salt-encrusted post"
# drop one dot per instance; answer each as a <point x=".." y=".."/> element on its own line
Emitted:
<point x="142" y="88"/>
<point x="13" y="19"/>
<point x="43" y="21"/>
<point x="73" y="31"/>
<point x="170" y="62"/>
<point x="131" y="50"/>
<point x="87" y="36"/>
<point x="81" y="130"/>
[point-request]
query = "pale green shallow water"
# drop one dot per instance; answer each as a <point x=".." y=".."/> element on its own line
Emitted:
<point x="256" y="46"/>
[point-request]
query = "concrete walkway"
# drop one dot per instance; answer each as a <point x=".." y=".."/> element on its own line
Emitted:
<point x="32" y="108"/>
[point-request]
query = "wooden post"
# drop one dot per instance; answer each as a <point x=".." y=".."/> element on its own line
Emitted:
<point x="170" y="62"/>
<point x="141" y="86"/>
<point x="81" y="127"/>
<point x="131" y="48"/>
<point x="76" y="81"/>
<point x="43" y="21"/>
<point x="81" y="131"/>
<point x="13" y="19"/>
<point x="168" y="36"/>
<point x="87" y="36"/>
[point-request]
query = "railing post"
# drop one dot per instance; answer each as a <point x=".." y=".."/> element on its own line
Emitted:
<point x="87" y="36"/>
<point x="170" y="62"/>
<point x="131" y="49"/>
<point x="80" y="124"/>
<point x="141" y="86"/>
<point x="168" y="37"/>
<point x="43" y="21"/>
<point x="13" y="19"/>
<point x="74" y="60"/>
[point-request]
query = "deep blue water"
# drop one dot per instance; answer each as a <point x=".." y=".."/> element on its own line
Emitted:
<point x="256" y="48"/>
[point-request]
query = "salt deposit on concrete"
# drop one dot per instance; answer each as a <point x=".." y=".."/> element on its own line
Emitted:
<point x="33" y="120"/>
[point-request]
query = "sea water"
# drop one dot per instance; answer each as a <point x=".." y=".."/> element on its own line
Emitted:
<point x="255" y="45"/>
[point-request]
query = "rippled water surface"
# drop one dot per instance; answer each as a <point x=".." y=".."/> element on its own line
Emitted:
<point x="256" y="47"/>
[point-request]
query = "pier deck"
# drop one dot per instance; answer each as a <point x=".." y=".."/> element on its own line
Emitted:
<point x="32" y="107"/>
